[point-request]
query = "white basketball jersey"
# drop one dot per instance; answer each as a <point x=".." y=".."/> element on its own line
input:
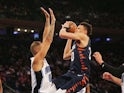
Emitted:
<point x="46" y="83"/>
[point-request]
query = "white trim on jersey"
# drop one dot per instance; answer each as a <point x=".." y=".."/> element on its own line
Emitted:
<point x="46" y="82"/>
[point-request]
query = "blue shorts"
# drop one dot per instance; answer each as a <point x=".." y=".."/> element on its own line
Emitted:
<point x="71" y="81"/>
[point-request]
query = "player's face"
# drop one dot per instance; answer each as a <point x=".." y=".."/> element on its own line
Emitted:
<point x="81" y="28"/>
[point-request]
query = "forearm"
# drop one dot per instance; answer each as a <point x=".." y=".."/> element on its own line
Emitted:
<point x="113" y="70"/>
<point x="116" y="80"/>
<point x="52" y="26"/>
<point x="46" y="29"/>
<point x="67" y="50"/>
<point x="47" y="23"/>
<point x="51" y="33"/>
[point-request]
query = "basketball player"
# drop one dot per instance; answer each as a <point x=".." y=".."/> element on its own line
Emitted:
<point x="77" y="76"/>
<point x="40" y="69"/>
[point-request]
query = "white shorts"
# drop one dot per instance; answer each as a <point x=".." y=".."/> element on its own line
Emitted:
<point x="82" y="90"/>
<point x="64" y="91"/>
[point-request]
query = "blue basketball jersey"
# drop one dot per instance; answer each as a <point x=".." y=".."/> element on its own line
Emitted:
<point x="80" y="58"/>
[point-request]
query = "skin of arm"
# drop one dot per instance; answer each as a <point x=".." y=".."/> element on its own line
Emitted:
<point x="98" y="57"/>
<point x="48" y="26"/>
<point x="52" y="26"/>
<point x="67" y="50"/>
<point x="67" y="35"/>
<point x="39" y="57"/>
<point x="77" y="35"/>
<point x="88" y="88"/>
<point x="110" y="77"/>
<point x="1" y="88"/>
<point x="47" y="23"/>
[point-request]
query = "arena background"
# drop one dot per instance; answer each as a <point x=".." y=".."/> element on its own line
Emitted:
<point x="21" y="22"/>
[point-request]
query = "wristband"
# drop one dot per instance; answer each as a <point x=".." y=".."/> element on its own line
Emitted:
<point x="102" y="65"/>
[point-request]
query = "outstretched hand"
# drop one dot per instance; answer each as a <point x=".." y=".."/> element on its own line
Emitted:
<point x="53" y="19"/>
<point x="45" y="12"/>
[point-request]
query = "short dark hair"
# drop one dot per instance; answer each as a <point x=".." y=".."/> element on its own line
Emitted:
<point x="88" y="27"/>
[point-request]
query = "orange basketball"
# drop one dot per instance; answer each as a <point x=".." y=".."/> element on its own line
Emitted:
<point x="72" y="27"/>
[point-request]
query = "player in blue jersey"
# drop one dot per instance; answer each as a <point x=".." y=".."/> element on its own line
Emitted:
<point x="77" y="76"/>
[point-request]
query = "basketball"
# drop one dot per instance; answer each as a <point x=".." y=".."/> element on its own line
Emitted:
<point x="72" y="27"/>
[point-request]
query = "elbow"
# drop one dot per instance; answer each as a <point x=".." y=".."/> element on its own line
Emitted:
<point x="61" y="35"/>
<point x="66" y="58"/>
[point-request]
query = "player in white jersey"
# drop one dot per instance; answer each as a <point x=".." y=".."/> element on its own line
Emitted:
<point x="40" y="70"/>
<point x="44" y="80"/>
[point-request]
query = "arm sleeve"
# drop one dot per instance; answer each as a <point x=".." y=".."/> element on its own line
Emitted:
<point x="113" y="70"/>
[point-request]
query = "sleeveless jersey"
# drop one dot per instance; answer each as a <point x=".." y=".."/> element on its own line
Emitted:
<point x="45" y="81"/>
<point x="80" y="59"/>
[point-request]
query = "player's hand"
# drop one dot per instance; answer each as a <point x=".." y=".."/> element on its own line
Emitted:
<point x="107" y="76"/>
<point x="53" y="19"/>
<point x="66" y="24"/>
<point x="45" y="12"/>
<point x="98" y="57"/>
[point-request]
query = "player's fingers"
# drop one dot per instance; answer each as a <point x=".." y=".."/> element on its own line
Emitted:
<point x="52" y="14"/>
<point x="45" y="12"/>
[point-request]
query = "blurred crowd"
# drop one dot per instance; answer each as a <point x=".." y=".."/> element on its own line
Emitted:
<point x="30" y="10"/>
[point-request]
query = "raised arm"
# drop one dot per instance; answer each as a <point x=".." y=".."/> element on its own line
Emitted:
<point x="47" y="24"/>
<point x="67" y="35"/>
<point x="52" y="25"/>
<point x="67" y="50"/>
<point x="45" y="45"/>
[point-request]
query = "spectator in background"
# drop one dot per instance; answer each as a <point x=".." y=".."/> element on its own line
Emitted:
<point x="106" y="67"/>
<point x="108" y="76"/>
<point x="115" y="71"/>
